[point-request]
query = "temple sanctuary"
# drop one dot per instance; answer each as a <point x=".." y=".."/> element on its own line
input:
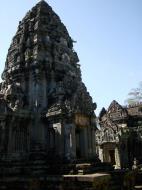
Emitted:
<point x="119" y="138"/>
<point x="46" y="113"/>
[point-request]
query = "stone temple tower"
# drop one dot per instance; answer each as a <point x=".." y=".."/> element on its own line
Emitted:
<point x="46" y="112"/>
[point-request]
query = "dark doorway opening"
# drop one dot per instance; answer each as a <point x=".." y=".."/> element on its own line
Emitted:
<point x="112" y="156"/>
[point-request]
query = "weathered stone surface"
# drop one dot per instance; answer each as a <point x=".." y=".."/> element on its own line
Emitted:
<point x="119" y="139"/>
<point x="41" y="96"/>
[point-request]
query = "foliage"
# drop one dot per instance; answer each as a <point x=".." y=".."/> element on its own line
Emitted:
<point x="135" y="95"/>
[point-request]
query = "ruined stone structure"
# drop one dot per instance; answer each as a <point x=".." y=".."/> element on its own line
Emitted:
<point x="119" y="139"/>
<point x="46" y="113"/>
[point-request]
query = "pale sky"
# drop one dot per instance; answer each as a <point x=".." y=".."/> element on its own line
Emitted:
<point x="109" y="41"/>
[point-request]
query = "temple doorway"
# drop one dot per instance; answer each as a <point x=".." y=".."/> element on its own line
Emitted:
<point x="109" y="153"/>
<point x="80" y="144"/>
<point x="112" y="156"/>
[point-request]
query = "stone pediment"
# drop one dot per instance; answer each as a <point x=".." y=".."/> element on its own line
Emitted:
<point x="106" y="135"/>
<point x="110" y="124"/>
<point x="116" y="111"/>
<point x="114" y="107"/>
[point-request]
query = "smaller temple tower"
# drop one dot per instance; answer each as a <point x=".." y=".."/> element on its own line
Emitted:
<point x="119" y="139"/>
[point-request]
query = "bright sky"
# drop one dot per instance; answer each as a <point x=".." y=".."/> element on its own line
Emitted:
<point x="109" y="41"/>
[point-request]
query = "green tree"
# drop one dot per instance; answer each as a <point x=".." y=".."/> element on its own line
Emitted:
<point x="135" y="95"/>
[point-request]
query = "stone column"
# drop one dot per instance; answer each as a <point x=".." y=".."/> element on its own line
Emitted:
<point x="101" y="156"/>
<point x="89" y="142"/>
<point x="85" y="143"/>
<point x="117" y="158"/>
<point x="69" y="141"/>
<point x="93" y="142"/>
<point x="73" y="141"/>
<point x="58" y="138"/>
